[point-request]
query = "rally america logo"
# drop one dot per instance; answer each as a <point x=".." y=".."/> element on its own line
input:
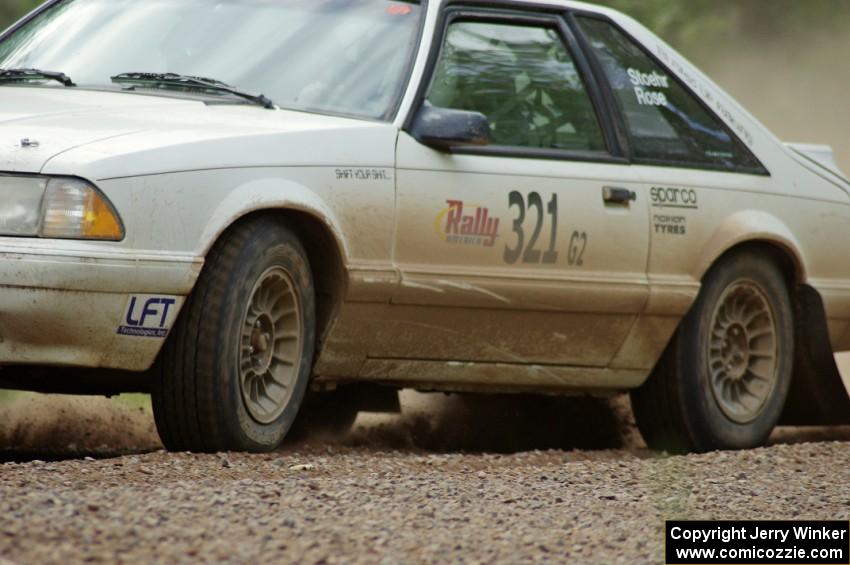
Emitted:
<point x="467" y="224"/>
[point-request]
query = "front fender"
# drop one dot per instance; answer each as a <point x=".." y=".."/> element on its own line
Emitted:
<point x="270" y="194"/>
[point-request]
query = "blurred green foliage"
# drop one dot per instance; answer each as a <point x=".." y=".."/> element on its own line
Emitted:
<point x="695" y="26"/>
<point x="690" y="25"/>
<point x="11" y="10"/>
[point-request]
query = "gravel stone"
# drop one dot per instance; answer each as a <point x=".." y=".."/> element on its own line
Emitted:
<point x="370" y="505"/>
<point x="399" y="489"/>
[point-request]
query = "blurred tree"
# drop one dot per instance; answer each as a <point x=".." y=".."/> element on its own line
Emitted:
<point x="692" y="25"/>
<point x="682" y="22"/>
<point x="11" y="10"/>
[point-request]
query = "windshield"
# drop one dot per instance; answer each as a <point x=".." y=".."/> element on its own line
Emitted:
<point x="347" y="57"/>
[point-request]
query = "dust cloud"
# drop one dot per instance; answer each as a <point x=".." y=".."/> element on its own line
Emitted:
<point x="62" y="427"/>
<point x="59" y="427"/>
<point x="499" y="424"/>
<point x="54" y="426"/>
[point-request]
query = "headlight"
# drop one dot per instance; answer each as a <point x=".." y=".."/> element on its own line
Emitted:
<point x="60" y="208"/>
<point x="74" y="209"/>
<point x="20" y="205"/>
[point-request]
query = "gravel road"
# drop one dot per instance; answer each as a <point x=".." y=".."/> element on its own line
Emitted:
<point x="386" y="495"/>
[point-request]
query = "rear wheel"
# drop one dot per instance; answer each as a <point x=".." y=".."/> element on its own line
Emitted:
<point x="724" y="379"/>
<point x="235" y="369"/>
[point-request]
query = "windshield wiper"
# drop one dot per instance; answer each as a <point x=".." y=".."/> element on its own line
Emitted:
<point x="34" y="74"/>
<point x="190" y="82"/>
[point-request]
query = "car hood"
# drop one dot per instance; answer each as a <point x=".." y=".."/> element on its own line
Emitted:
<point x="104" y="134"/>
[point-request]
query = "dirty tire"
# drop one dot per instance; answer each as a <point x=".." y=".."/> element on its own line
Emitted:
<point x="724" y="378"/>
<point x="217" y="383"/>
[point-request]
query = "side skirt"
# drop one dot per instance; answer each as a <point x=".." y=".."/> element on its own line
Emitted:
<point x="457" y="376"/>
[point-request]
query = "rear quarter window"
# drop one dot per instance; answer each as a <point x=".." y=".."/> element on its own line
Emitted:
<point x="666" y="124"/>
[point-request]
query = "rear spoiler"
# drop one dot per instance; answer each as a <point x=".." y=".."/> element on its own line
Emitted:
<point x="821" y="155"/>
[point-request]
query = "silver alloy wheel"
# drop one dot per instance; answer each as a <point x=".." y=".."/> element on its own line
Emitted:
<point x="743" y="353"/>
<point x="270" y="346"/>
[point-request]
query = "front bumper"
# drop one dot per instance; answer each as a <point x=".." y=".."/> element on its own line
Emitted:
<point x="85" y="305"/>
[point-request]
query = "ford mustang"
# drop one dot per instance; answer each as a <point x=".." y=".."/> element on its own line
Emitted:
<point x="241" y="206"/>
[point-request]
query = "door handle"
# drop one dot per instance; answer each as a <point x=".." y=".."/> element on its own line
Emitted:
<point x="614" y="195"/>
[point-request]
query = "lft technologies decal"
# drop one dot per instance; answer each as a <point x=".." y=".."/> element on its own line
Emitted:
<point x="466" y="224"/>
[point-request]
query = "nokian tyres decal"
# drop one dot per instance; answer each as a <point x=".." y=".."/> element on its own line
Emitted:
<point x="670" y="225"/>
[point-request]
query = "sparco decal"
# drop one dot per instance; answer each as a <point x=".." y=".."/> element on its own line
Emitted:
<point x="669" y="197"/>
<point x="467" y="224"/>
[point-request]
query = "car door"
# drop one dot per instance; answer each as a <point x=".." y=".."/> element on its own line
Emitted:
<point x="695" y="171"/>
<point x="534" y="248"/>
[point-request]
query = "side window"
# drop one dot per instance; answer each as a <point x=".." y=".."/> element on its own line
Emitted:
<point x="664" y="121"/>
<point x="523" y="79"/>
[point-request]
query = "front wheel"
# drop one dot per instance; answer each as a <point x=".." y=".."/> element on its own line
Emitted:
<point x="724" y="379"/>
<point x="234" y="372"/>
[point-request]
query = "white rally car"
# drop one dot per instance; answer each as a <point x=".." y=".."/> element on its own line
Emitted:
<point x="466" y="196"/>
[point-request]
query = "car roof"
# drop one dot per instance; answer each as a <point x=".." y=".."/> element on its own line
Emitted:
<point x="627" y="22"/>
<point x="566" y="4"/>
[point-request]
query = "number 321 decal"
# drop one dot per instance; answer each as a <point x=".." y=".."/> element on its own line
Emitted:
<point x="529" y="253"/>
